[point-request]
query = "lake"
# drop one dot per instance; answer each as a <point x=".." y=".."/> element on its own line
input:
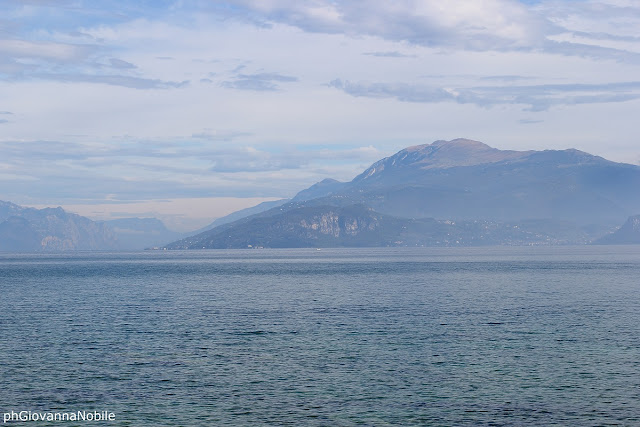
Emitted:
<point x="333" y="337"/>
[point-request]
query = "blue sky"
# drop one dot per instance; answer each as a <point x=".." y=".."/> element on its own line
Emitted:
<point x="188" y="110"/>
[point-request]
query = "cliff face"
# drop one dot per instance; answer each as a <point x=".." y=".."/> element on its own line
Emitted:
<point x="320" y="226"/>
<point x="51" y="229"/>
<point x="337" y="224"/>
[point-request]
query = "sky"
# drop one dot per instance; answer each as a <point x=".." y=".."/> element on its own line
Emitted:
<point x="189" y="110"/>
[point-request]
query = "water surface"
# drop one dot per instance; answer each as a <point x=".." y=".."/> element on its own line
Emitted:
<point x="479" y="336"/>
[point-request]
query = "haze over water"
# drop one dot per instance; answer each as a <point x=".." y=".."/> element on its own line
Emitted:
<point x="483" y="336"/>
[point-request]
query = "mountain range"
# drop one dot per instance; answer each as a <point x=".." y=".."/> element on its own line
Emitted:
<point x="448" y="193"/>
<point x="51" y="229"/>
<point x="360" y="226"/>
<point x="141" y="233"/>
<point x="464" y="179"/>
<point x="458" y="192"/>
<point x="24" y="229"/>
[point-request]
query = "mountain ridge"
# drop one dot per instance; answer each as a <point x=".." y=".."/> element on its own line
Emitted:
<point x="442" y="155"/>
<point x="140" y="233"/>
<point x="27" y="229"/>
<point x="50" y="229"/>
<point x="466" y="180"/>
<point x="360" y="226"/>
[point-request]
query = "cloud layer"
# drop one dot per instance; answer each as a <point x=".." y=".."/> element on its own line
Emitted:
<point x="532" y="97"/>
<point x="148" y="100"/>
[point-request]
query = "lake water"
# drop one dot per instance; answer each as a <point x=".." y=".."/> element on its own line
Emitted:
<point x="337" y="337"/>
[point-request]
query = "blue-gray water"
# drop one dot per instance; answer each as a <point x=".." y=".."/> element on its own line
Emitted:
<point x="483" y="336"/>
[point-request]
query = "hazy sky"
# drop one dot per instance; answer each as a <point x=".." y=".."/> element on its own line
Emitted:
<point x="187" y="110"/>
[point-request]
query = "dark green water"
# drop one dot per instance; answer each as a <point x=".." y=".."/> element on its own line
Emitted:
<point x="483" y="336"/>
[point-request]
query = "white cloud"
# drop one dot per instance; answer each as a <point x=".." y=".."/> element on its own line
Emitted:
<point x="533" y="97"/>
<point x="258" y="82"/>
<point x="477" y="25"/>
<point x="101" y="105"/>
<point x="589" y="28"/>
<point x="60" y="52"/>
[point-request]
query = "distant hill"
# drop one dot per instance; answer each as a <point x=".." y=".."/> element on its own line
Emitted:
<point x="629" y="233"/>
<point x="141" y="233"/>
<point x="560" y="196"/>
<point x="359" y="226"/>
<point x="51" y="229"/>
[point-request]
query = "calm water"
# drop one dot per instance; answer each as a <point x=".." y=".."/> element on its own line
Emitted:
<point x="483" y="336"/>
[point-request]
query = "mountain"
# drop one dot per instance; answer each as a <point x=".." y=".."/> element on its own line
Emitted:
<point x="548" y="197"/>
<point x="8" y="209"/>
<point x="629" y="233"/>
<point x="303" y="227"/>
<point x="359" y="226"/>
<point x="242" y="213"/>
<point x="411" y="162"/>
<point x="50" y="229"/>
<point x="17" y="235"/>
<point x="464" y="179"/>
<point x="141" y="233"/>
<point x="324" y="188"/>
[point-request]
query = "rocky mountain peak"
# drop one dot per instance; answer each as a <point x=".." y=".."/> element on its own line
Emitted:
<point x="457" y="152"/>
<point x="442" y="155"/>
